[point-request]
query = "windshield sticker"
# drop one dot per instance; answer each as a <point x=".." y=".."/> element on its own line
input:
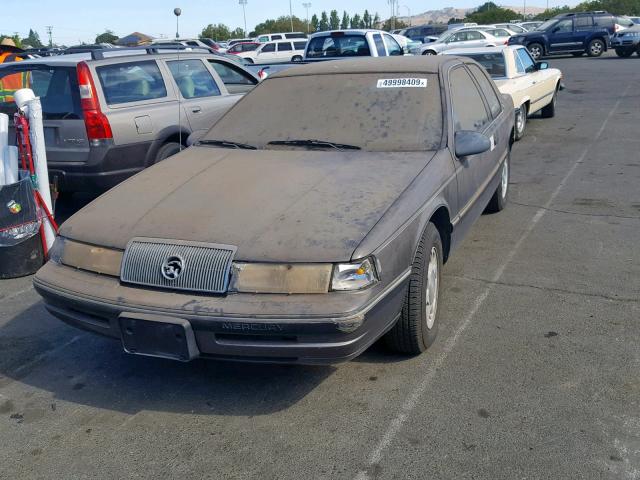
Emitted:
<point x="402" y="83"/>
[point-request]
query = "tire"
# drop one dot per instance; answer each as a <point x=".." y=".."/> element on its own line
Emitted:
<point x="596" y="48"/>
<point x="429" y="52"/>
<point x="521" y="121"/>
<point x="624" y="53"/>
<point x="536" y="50"/>
<point x="501" y="196"/>
<point x="577" y="54"/>
<point x="417" y="327"/>
<point x="296" y="58"/>
<point x="549" y="111"/>
<point x="167" y="150"/>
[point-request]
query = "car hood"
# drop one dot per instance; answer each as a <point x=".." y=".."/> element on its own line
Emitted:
<point x="273" y="205"/>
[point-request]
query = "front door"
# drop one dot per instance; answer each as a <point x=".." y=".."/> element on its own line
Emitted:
<point x="562" y="38"/>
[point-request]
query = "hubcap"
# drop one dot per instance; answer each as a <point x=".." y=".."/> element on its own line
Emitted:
<point x="535" y="52"/>
<point x="431" y="294"/>
<point x="596" y="48"/>
<point x="520" y="121"/>
<point x="504" y="183"/>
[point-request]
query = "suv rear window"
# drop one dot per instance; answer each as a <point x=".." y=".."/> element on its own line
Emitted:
<point x="57" y="88"/>
<point x="131" y="82"/>
<point x="338" y="46"/>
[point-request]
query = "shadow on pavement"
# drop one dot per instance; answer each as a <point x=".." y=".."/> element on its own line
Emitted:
<point x="94" y="371"/>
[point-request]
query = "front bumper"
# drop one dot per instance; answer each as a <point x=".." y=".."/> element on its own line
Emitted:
<point x="311" y="329"/>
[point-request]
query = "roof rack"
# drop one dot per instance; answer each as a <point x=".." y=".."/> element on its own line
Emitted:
<point x="98" y="54"/>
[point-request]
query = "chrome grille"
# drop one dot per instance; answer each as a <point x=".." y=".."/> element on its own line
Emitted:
<point x="204" y="267"/>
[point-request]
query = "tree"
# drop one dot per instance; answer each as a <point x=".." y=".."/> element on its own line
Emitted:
<point x="489" y="13"/>
<point x="366" y="19"/>
<point x="388" y="25"/>
<point x="314" y="24"/>
<point x="280" y="24"/>
<point x="376" y="21"/>
<point x="334" y="20"/>
<point x="33" y="39"/>
<point x="107" y="37"/>
<point x="345" y="21"/>
<point x="356" y="21"/>
<point x="324" y="22"/>
<point x="217" y="32"/>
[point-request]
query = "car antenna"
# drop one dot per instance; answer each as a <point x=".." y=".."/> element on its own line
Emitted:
<point x="177" y="12"/>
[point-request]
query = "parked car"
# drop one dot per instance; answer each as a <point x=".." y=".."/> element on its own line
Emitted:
<point x="461" y="38"/>
<point x="187" y="42"/>
<point x="308" y="267"/>
<point x="408" y="46"/>
<point x="575" y="33"/>
<point x="217" y="46"/>
<point x="627" y="41"/>
<point x="533" y="87"/>
<point x="108" y="116"/>
<point x="233" y="41"/>
<point x="514" y="27"/>
<point x="500" y="33"/>
<point x="420" y="33"/>
<point x="338" y="44"/>
<point x="243" y="47"/>
<point x="635" y="20"/>
<point x="528" y="26"/>
<point x="86" y="48"/>
<point x="275" y="52"/>
<point x="272" y="37"/>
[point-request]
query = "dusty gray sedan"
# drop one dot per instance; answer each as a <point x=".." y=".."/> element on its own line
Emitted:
<point x="295" y="231"/>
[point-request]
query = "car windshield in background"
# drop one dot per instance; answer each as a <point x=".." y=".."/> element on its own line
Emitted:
<point x="372" y="111"/>
<point x="492" y="62"/>
<point x="546" y="25"/>
<point x="338" y="46"/>
<point x="56" y="87"/>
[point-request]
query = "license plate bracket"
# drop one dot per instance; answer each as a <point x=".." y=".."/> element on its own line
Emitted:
<point x="158" y="336"/>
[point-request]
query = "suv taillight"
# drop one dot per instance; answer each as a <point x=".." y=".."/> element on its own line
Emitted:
<point x="96" y="122"/>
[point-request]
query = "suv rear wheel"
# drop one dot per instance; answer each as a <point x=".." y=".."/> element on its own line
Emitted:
<point x="596" y="48"/>
<point x="167" y="150"/>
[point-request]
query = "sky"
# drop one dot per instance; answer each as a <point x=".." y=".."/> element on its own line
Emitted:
<point x="74" y="21"/>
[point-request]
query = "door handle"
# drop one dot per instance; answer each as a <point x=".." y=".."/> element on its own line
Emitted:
<point x="196" y="109"/>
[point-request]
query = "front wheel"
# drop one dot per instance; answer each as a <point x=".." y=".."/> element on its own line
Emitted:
<point x="596" y="48"/>
<point x="624" y="52"/>
<point x="428" y="52"/>
<point x="536" y="51"/>
<point x="521" y="121"/>
<point x="499" y="200"/>
<point x="417" y="327"/>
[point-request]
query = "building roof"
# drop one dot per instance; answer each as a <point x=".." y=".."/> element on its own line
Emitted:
<point x="135" y="38"/>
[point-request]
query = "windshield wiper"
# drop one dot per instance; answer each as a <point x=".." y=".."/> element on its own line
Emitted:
<point x="314" y="143"/>
<point x="226" y="143"/>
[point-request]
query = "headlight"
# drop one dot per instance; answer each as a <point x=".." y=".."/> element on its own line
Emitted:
<point x="280" y="278"/>
<point x="57" y="250"/>
<point x="353" y="276"/>
<point x="86" y="257"/>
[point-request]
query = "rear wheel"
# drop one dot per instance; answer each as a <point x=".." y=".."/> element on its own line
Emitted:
<point x="417" y="327"/>
<point x="521" y="121"/>
<point x="428" y="52"/>
<point x="596" y="48"/>
<point x="624" y="52"/>
<point x="296" y="58"/>
<point x="536" y="50"/>
<point x="549" y="111"/>
<point x="167" y="150"/>
<point x="499" y="200"/>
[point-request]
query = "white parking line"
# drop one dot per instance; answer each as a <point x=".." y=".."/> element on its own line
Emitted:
<point x="434" y="364"/>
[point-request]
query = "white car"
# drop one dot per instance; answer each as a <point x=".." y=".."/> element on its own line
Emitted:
<point x="272" y="37"/>
<point x="335" y="44"/>
<point x="532" y="86"/>
<point x="461" y="38"/>
<point x="276" y="52"/>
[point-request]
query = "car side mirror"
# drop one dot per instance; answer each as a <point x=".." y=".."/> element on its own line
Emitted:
<point x="471" y="143"/>
<point x="542" y="66"/>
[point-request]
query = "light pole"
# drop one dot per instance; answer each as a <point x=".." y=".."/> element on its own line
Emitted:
<point x="177" y="12"/>
<point x="392" y="4"/>
<point x="408" y="14"/>
<point x="291" y="14"/>
<point x="307" y="6"/>
<point x="244" y="14"/>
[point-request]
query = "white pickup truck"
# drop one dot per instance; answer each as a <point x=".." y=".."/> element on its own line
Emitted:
<point x="336" y="44"/>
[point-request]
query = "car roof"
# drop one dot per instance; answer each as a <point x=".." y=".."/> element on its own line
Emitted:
<point x="413" y="64"/>
<point x="467" y="51"/>
<point x="355" y="31"/>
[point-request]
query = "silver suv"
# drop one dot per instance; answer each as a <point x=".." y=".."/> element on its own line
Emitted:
<point x="110" y="115"/>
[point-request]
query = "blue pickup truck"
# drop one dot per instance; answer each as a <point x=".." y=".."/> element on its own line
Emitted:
<point x="572" y="33"/>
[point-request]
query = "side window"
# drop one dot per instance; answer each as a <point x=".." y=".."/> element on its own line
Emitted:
<point x="519" y="66"/>
<point x="269" y="47"/>
<point x="284" y="47"/>
<point x="527" y="62"/>
<point x="131" y="82"/>
<point x="276" y="37"/>
<point x="469" y="112"/>
<point x="459" y="37"/>
<point x="193" y="44"/>
<point x="584" y="23"/>
<point x="263" y="39"/>
<point x="193" y="78"/>
<point x="564" y="26"/>
<point x="603" y="21"/>
<point x="473" y="35"/>
<point x="392" y="46"/>
<point x="299" y="45"/>
<point x="377" y="39"/>
<point x="487" y="89"/>
<point x="231" y="75"/>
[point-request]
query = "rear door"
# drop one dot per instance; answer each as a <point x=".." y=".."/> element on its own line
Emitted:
<point x="284" y="51"/>
<point x="203" y="96"/>
<point x="583" y="26"/>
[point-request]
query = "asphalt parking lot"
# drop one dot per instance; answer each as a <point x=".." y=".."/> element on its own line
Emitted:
<point x="534" y="374"/>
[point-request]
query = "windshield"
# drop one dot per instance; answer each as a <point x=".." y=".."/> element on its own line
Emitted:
<point x="546" y="25"/>
<point x="445" y="35"/>
<point x="492" y="62"/>
<point x="339" y="46"/>
<point x="364" y="110"/>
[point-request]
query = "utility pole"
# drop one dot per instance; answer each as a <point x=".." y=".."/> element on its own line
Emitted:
<point x="307" y="6"/>
<point x="392" y="4"/>
<point x="409" y="14"/>
<point x="50" y="33"/>
<point x="244" y="14"/>
<point x="291" y="14"/>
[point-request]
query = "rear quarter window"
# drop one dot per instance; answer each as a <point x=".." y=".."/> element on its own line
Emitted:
<point x="131" y="82"/>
